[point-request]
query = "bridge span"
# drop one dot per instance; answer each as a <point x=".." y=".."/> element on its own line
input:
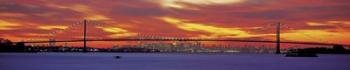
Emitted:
<point x="184" y="39"/>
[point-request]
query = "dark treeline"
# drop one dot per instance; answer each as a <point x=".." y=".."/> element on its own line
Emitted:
<point x="337" y="49"/>
<point x="8" y="46"/>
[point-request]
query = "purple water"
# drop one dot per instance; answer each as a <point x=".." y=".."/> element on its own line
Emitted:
<point x="169" y="61"/>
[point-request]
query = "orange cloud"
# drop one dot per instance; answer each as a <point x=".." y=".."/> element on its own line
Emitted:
<point x="329" y="23"/>
<point x="6" y="25"/>
<point x="182" y="4"/>
<point x="339" y="22"/>
<point x="90" y="13"/>
<point x="316" y="24"/>
<point x="117" y="32"/>
<point x="317" y="36"/>
<point x="216" y="32"/>
<point x="340" y="26"/>
<point x="38" y="35"/>
<point x="49" y="27"/>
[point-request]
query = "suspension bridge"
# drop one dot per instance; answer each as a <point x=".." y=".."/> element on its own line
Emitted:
<point x="277" y="41"/>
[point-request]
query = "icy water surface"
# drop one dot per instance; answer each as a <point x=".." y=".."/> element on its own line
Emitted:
<point x="168" y="61"/>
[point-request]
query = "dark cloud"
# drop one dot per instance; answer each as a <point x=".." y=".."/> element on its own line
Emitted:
<point x="134" y="11"/>
<point x="301" y="13"/>
<point x="269" y="15"/>
<point x="22" y="8"/>
<point x="40" y="14"/>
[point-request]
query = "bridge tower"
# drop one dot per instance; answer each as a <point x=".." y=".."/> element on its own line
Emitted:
<point x="278" y="38"/>
<point x="85" y="22"/>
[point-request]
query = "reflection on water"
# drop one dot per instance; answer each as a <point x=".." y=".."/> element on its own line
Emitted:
<point x="168" y="61"/>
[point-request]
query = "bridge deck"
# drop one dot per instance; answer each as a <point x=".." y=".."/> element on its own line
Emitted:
<point x="127" y="39"/>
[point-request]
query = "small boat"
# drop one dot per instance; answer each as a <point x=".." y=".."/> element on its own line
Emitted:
<point x="117" y="57"/>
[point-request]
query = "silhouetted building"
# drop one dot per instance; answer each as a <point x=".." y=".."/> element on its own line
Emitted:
<point x="337" y="49"/>
<point x="8" y="46"/>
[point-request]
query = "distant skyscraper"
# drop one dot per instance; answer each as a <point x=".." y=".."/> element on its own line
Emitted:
<point x="52" y="42"/>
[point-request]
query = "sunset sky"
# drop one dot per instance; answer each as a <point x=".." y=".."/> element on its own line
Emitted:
<point x="323" y="21"/>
